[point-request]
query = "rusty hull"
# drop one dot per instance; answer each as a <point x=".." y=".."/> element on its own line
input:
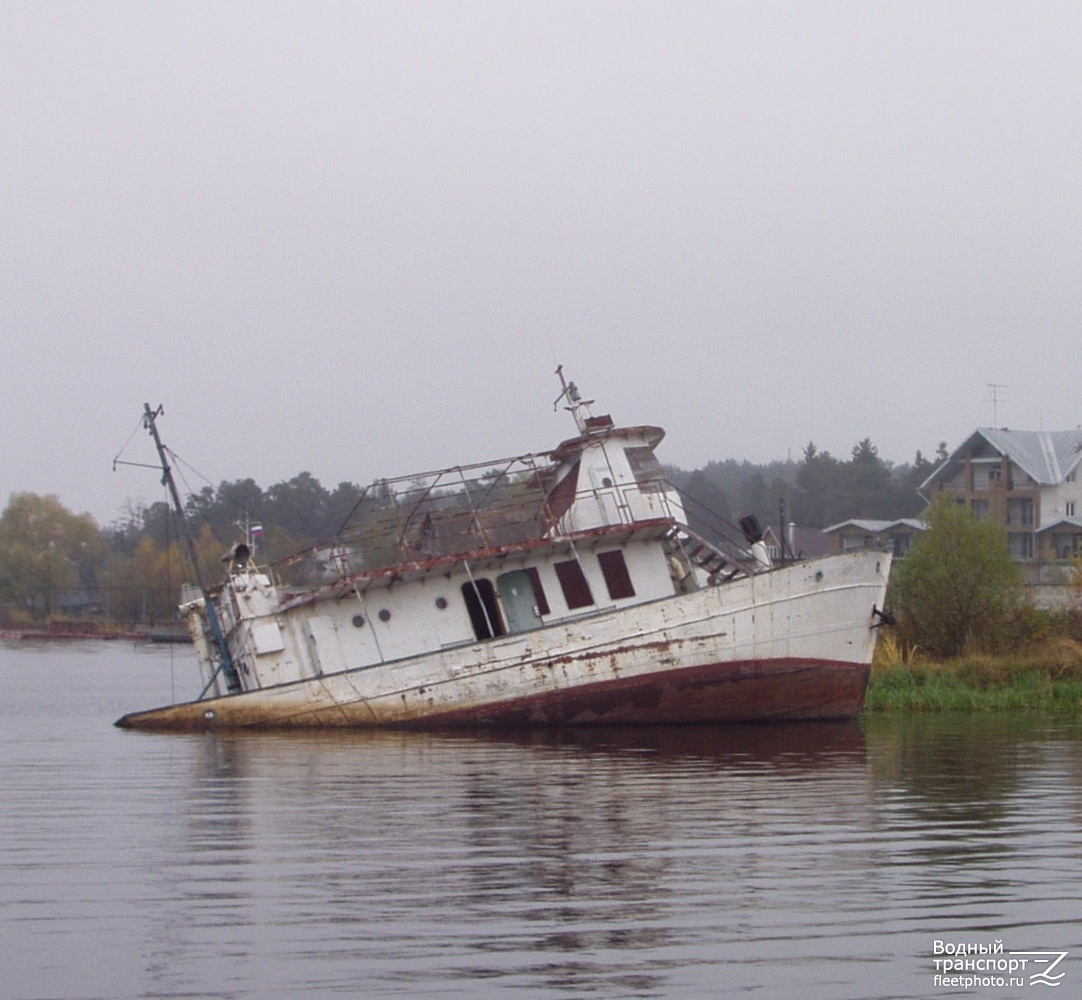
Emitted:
<point x="748" y="691"/>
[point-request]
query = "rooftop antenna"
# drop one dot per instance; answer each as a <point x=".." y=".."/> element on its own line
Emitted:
<point x="996" y="390"/>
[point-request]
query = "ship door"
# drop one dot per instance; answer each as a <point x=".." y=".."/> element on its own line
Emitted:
<point x="519" y="601"/>
<point x="480" y="598"/>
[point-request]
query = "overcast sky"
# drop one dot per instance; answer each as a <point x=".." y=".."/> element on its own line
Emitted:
<point x="355" y="238"/>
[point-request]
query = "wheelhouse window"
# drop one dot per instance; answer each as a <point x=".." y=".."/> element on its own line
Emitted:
<point x="573" y="584"/>
<point x="646" y="469"/>
<point x="617" y="578"/>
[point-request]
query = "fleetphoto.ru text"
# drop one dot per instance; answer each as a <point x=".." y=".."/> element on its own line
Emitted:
<point x="969" y="965"/>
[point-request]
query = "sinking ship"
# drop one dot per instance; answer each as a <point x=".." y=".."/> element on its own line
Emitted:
<point x="563" y="588"/>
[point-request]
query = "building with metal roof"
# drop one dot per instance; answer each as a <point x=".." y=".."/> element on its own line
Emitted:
<point x="1026" y="481"/>
<point x="863" y="533"/>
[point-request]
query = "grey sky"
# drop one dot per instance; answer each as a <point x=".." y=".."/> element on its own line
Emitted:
<point x="354" y="238"/>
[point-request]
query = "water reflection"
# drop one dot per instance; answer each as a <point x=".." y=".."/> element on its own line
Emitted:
<point x="547" y="858"/>
<point x="980" y="819"/>
<point x="618" y="862"/>
<point x="804" y="744"/>
<point x="814" y="860"/>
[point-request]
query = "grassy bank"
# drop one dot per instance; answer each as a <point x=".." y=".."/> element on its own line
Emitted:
<point x="1041" y="678"/>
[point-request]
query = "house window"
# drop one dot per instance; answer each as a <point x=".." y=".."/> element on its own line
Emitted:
<point x="994" y="474"/>
<point x="1020" y="546"/>
<point x="980" y="509"/>
<point x="617" y="578"/>
<point x="1067" y="546"/>
<point x="573" y="584"/>
<point x="1020" y="512"/>
<point x="1072" y="476"/>
<point x="1070" y="508"/>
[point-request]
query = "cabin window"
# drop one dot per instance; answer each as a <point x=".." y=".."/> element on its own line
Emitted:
<point x="617" y="578"/>
<point x="573" y="584"/>
<point x="480" y="598"/>
<point x="538" y="591"/>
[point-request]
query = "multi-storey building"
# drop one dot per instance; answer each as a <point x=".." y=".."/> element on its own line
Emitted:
<point x="1026" y="481"/>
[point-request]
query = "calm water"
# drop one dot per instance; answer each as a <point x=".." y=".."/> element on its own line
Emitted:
<point x="819" y="861"/>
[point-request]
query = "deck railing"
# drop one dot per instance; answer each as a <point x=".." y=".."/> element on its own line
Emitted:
<point x="465" y="509"/>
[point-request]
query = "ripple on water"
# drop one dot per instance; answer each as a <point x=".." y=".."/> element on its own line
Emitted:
<point x="629" y="863"/>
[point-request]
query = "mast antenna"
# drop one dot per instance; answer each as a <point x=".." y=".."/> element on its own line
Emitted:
<point x="572" y="395"/>
<point x="232" y="681"/>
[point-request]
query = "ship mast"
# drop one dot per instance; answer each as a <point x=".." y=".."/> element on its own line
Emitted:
<point x="232" y="681"/>
<point x="579" y="408"/>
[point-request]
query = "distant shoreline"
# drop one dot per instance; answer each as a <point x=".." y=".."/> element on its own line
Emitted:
<point x="95" y="630"/>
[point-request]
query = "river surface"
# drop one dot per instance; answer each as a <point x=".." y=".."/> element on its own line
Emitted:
<point x="822" y="861"/>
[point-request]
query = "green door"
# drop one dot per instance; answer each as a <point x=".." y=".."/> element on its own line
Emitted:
<point x="519" y="602"/>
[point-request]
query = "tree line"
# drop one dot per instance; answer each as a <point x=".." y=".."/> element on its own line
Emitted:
<point x="56" y="562"/>
<point x="817" y="492"/>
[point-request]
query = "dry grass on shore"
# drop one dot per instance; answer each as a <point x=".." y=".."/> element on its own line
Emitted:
<point x="1042" y="677"/>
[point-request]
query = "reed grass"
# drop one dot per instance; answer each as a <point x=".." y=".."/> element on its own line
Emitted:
<point x="1043" y="677"/>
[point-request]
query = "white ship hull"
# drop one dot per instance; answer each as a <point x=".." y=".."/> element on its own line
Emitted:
<point x="790" y="643"/>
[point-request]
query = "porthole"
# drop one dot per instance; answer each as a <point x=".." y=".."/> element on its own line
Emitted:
<point x="441" y="603"/>
<point x="384" y="615"/>
<point x="358" y="621"/>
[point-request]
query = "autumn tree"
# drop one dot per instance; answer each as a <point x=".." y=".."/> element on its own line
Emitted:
<point x="958" y="587"/>
<point x="46" y="551"/>
<point x="146" y="586"/>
